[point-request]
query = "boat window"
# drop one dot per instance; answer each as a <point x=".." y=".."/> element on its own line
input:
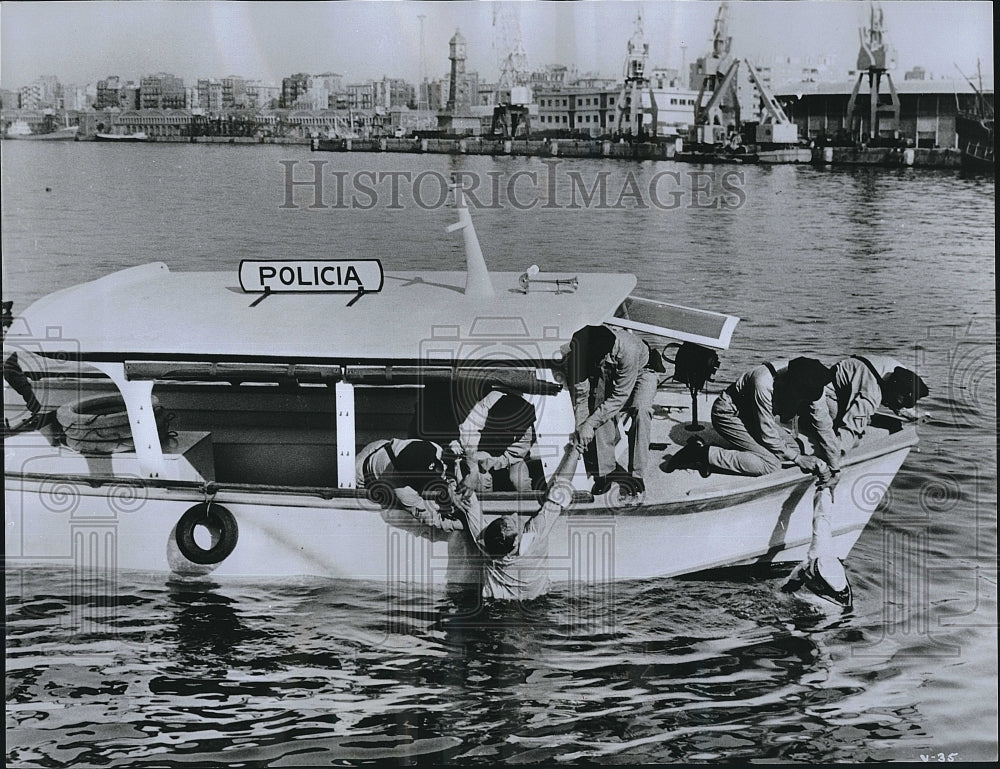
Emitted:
<point x="282" y="426"/>
<point x="259" y="433"/>
<point x="674" y="321"/>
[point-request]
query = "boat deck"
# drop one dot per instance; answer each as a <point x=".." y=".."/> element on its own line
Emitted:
<point x="681" y="488"/>
<point x="243" y="455"/>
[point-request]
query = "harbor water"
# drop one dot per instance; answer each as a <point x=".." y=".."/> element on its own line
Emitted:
<point x="142" y="671"/>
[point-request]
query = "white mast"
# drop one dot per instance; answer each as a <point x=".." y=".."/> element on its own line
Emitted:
<point x="477" y="278"/>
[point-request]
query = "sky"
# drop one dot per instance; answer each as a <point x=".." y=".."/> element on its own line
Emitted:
<point x="82" y="42"/>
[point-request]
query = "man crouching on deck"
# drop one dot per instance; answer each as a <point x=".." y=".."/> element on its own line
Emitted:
<point x="402" y="473"/>
<point x="515" y="563"/>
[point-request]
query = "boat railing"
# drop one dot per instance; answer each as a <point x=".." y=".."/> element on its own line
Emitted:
<point x="523" y="379"/>
<point x="211" y="371"/>
<point x="388" y="373"/>
<point x="979" y="151"/>
<point x="210" y="489"/>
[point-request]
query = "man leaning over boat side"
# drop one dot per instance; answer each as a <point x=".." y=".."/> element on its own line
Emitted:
<point x="612" y="373"/>
<point x="515" y="555"/>
<point x="836" y="423"/>
<point x="403" y="473"/>
<point x="748" y="416"/>
<point x="14" y="376"/>
<point x="496" y="439"/>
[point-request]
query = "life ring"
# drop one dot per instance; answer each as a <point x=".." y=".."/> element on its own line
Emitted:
<point x="100" y="424"/>
<point x="221" y="527"/>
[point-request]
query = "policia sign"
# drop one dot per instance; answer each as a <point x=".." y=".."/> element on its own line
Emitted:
<point x="353" y="276"/>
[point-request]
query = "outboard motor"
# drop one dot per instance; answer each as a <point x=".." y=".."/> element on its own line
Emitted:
<point x="694" y="366"/>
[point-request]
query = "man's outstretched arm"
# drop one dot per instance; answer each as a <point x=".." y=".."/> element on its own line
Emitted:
<point x="560" y="492"/>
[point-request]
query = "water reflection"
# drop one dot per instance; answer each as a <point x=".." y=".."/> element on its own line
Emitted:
<point x="721" y="665"/>
<point x="206" y="627"/>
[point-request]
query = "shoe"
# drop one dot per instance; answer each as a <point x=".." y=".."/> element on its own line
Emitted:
<point x="826" y="578"/>
<point x="692" y="456"/>
<point x="632" y="486"/>
<point x="602" y="483"/>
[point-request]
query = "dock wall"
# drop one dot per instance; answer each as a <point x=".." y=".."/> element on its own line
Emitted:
<point x="922" y="157"/>
<point x="892" y="157"/>
<point x="565" y="148"/>
<point x="227" y="140"/>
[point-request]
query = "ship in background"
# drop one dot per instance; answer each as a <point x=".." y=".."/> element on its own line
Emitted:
<point x="974" y="128"/>
<point x="47" y="131"/>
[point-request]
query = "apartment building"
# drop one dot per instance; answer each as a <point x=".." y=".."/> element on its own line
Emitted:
<point x="161" y="91"/>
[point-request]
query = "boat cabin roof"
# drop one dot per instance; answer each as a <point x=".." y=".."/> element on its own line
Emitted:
<point x="151" y="313"/>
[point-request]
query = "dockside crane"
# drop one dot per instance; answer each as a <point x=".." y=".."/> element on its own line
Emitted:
<point x="875" y="58"/>
<point x="512" y="95"/>
<point x="635" y="100"/>
<point x="774" y="126"/>
<point x="718" y="81"/>
<point x="717" y="108"/>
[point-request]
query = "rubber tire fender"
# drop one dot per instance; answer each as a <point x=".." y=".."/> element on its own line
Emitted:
<point x="221" y="524"/>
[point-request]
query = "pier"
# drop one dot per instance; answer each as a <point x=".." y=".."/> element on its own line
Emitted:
<point x="892" y="157"/>
<point x="478" y="145"/>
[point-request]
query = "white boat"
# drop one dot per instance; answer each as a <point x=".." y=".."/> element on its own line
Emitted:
<point x="138" y="136"/>
<point x="272" y="394"/>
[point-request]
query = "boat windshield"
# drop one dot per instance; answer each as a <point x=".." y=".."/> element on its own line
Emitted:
<point x="674" y="321"/>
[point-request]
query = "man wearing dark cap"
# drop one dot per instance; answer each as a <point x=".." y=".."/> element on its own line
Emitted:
<point x="748" y="416"/>
<point x="613" y="373"/>
<point x="400" y="472"/>
<point x="836" y="422"/>
<point x="515" y="553"/>
<point x="496" y="439"/>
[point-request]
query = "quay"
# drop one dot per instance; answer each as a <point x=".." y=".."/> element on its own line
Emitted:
<point x="226" y="140"/>
<point x="887" y="157"/>
<point x="480" y="145"/>
<point x="893" y="157"/>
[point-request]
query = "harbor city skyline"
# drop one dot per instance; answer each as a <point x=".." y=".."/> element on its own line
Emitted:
<point x="83" y="43"/>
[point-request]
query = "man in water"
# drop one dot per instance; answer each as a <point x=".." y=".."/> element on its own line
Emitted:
<point x="748" y="416"/>
<point x="836" y="422"/>
<point x="515" y="554"/>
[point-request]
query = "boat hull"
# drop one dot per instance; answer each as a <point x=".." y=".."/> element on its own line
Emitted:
<point x="123" y="523"/>
<point x="976" y="140"/>
<point x="788" y="155"/>
<point x="120" y="138"/>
